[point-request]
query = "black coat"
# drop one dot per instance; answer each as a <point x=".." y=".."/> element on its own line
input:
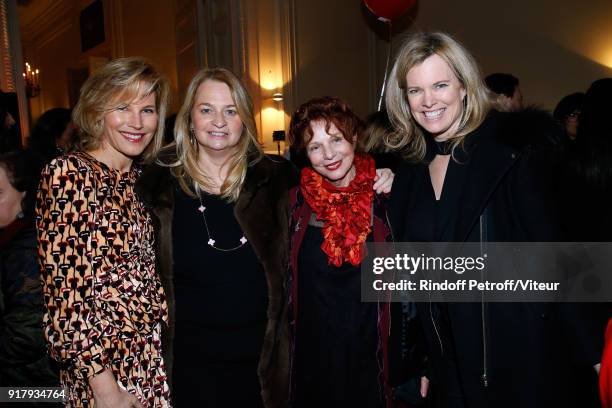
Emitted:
<point x="262" y="211"/>
<point x="530" y="348"/>
<point x="24" y="360"/>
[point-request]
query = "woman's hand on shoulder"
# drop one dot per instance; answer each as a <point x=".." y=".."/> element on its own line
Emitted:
<point x="383" y="181"/>
<point x="107" y="393"/>
<point x="424" y="386"/>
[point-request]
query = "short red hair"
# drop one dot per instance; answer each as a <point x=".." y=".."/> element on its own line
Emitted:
<point x="329" y="110"/>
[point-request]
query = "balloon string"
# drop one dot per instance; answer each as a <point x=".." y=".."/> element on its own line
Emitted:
<point x="382" y="90"/>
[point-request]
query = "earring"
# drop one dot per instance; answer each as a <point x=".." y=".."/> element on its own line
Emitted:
<point x="192" y="138"/>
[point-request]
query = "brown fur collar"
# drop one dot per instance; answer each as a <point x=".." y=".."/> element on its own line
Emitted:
<point x="262" y="210"/>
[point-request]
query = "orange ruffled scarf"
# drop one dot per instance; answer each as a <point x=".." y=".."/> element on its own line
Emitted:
<point x="346" y="212"/>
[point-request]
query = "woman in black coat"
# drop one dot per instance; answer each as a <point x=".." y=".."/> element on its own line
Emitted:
<point x="474" y="175"/>
<point x="24" y="360"/>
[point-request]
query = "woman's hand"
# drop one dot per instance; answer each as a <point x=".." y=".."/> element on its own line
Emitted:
<point x="383" y="181"/>
<point x="107" y="393"/>
<point x="424" y="386"/>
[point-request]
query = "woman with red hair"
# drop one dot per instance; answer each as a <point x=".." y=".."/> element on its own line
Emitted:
<point x="340" y="345"/>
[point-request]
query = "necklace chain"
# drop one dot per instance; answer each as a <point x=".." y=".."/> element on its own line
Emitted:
<point x="211" y="241"/>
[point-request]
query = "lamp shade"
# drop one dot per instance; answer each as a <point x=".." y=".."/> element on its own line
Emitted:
<point x="278" y="136"/>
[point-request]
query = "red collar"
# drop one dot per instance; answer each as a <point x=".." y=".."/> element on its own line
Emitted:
<point x="346" y="212"/>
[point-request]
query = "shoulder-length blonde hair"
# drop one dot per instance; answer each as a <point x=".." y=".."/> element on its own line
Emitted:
<point x="248" y="151"/>
<point x="416" y="49"/>
<point x="118" y="82"/>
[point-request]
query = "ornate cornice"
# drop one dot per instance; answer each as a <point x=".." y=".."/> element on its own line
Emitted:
<point x="55" y="19"/>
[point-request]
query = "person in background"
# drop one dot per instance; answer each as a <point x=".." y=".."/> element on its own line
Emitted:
<point x="105" y="305"/>
<point x="51" y="136"/>
<point x="9" y="136"/>
<point x="588" y="169"/>
<point x="470" y="178"/>
<point x="24" y="361"/>
<point x="508" y="96"/>
<point x="587" y="198"/>
<point x="567" y="113"/>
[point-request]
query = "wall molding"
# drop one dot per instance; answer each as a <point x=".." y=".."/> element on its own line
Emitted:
<point x="116" y="29"/>
<point x="52" y="19"/>
<point x="289" y="57"/>
<point x="13" y="65"/>
<point x="51" y="35"/>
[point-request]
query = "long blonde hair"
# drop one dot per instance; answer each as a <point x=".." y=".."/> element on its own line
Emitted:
<point x="119" y="81"/>
<point x="248" y="151"/>
<point x="408" y="135"/>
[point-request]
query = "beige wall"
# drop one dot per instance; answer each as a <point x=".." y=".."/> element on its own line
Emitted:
<point x="310" y="48"/>
<point x="148" y="31"/>
<point x="51" y="42"/>
<point x="337" y="53"/>
<point x="554" y="47"/>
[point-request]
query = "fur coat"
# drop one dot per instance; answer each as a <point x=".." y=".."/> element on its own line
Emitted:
<point x="262" y="212"/>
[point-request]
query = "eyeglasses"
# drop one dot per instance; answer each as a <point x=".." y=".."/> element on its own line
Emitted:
<point x="574" y="115"/>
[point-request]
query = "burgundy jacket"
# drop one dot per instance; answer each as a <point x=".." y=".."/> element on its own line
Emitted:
<point x="299" y="217"/>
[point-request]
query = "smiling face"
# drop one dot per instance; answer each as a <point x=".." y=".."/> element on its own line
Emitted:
<point x="10" y="200"/>
<point x="571" y="124"/>
<point x="435" y="97"/>
<point x="214" y="118"/>
<point x="330" y="154"/>
<point x="128" y="130"/>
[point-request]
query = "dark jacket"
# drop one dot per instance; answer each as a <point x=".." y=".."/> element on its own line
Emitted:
<point x="262" y="212"/>
<point x="527" y="351"/>
<point x="24" y="360"/>
<point x="401" y="355"/>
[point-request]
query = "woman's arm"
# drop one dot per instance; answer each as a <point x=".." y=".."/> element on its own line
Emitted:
<point x="383" y="181"/>
<point x="65" y="212"/>
<point x="107" y="393"/>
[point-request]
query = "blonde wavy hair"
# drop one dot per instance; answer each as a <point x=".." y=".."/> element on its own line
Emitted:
<point x="119" y="82"/>
<point x="408" y="135"/>
<point x="248" y="151"/>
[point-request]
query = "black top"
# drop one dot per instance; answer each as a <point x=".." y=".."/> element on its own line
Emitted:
<point x="337" y="336"/>
<point x="221" y="301"/>
<point x="436" y="218"/>
<point x="529" y="346"/>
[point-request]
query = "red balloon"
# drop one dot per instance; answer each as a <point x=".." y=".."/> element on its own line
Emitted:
<point x="389" y="9"/>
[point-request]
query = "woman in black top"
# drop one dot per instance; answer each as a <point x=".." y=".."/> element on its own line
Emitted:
<point x="471" y="178"/>
<point x="220" y="207"/>
<point x="221" y="210"/>
<point x="340" y="345"/>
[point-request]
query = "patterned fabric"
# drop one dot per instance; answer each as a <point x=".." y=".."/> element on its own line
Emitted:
<point x="346" y="212"/>
<point x="105" y="303"/>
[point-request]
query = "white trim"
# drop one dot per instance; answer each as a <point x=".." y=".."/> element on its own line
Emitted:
<point x="289" y="57"/>
<point x="17" y="60"/>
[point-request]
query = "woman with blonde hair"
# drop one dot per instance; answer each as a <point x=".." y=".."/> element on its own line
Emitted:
<point x="221" y="207"/>
<point x="470" y="178"/>
<point x="216" y="195"/>
<point x="105" y="303"/>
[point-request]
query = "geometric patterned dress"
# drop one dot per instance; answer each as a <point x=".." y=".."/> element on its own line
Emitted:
<point x="105" y="302"/>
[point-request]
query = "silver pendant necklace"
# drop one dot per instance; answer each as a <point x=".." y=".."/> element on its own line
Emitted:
<point x="211" y="240"/>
